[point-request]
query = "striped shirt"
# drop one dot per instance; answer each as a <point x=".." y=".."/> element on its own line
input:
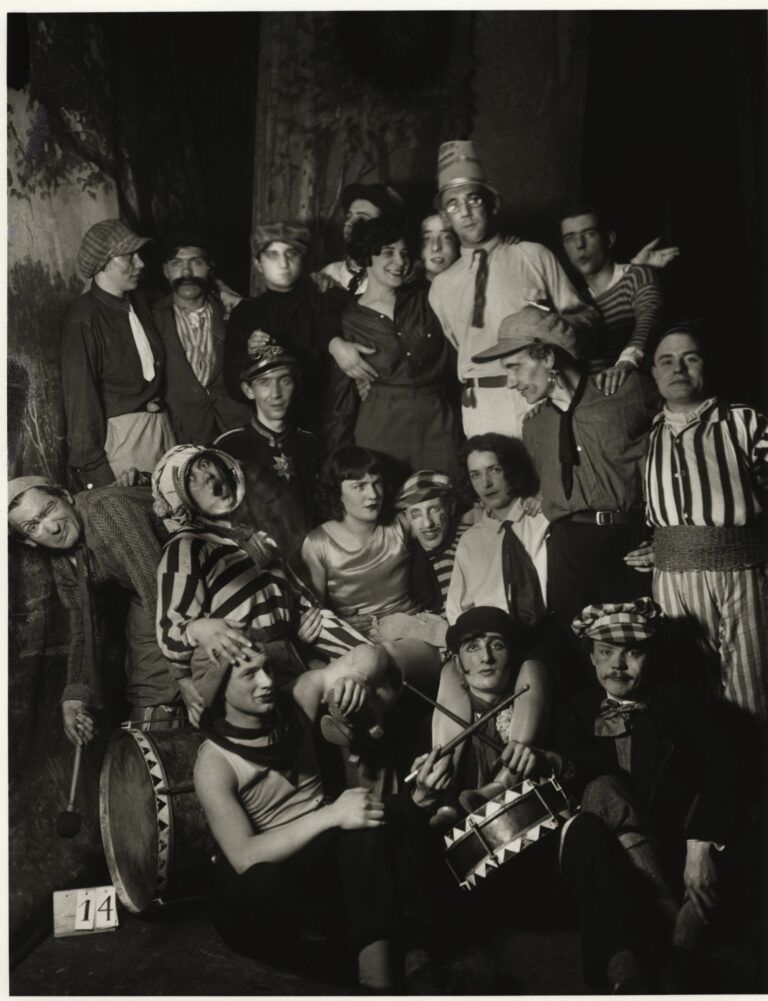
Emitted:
<point x="209" y="574"/>
<point x="442" y="562"/>
<point x="631" y="310"/>
<point x="706" y="472"/>
<point x="195" y="330"/>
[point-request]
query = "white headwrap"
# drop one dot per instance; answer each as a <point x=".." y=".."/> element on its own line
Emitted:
<point x="172" y="502"/>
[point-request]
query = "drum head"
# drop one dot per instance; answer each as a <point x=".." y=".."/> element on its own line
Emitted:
<point x="128" y="819"/>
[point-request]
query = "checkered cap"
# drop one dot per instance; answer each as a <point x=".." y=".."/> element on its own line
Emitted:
<point x="624" y="623"/>
<point x="107" y="239"/>
<point x="297" y="237"/>
<point x="269" y="357"/>
<point x="531" y="323"/>
<point x="423" y="485"/>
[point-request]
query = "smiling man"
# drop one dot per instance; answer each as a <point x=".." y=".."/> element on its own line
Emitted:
<point x="501" y="560"/>
<point x="490" y="279"/>
<point x="706" y="477"/>
<point x="281" y="462"/>
<point x="112" y="363"/>
<point x="191" y="324"/>
<point x="95" y="538"/>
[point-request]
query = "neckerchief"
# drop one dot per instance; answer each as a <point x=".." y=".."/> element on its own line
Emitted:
<point x="615" y="718"/>
<point x="284" y="739"/>
<point x="521" y="582"/>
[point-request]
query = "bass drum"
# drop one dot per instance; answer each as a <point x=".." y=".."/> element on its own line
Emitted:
<point x="153" y="829"/>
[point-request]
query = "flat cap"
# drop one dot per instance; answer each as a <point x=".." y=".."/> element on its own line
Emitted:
<point x="21" y="484"/>
<point x="105" y="240"/>
<point x="476" y="621"/>
<point x="530" y="324"/>
<point x="297" y="237"/>
<point x="269" y="357"/>
<point x="423" y="485"/>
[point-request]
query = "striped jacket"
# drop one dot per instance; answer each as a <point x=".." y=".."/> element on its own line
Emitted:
<point x="707" y="474"/>
<point x="214" y="573"/>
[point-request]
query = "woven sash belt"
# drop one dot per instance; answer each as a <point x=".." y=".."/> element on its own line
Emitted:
<point x="705" y="547"/>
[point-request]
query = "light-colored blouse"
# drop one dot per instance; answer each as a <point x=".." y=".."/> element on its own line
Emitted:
<point x="372" y="580"/>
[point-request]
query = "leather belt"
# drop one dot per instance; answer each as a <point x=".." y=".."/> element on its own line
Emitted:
<point x="607" y="517"/>
<point x="487" y="382"/>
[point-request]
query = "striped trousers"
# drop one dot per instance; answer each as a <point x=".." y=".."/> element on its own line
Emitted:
<point x="731" y="607"/>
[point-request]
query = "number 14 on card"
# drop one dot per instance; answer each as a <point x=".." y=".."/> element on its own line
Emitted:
<point x="77" y="912"/>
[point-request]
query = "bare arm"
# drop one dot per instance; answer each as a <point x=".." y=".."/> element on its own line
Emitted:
<point x="366" y="663"/>
<point x="216" y="788"/>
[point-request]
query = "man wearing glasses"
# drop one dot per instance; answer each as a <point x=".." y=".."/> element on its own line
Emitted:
<point x="491" y="279"/>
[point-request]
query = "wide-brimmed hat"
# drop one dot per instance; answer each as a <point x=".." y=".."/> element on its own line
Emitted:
<point x="295" y="236"/>
<point x="105" y="240"/>
<point x="532" y="323"/>
<point x="269" y="357"/>
<point x="458" y="164"/>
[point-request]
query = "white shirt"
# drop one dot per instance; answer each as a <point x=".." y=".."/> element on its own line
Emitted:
<point x="477" y="577"/>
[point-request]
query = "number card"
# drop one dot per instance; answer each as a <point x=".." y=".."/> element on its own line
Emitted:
<point x="83" y="912"/>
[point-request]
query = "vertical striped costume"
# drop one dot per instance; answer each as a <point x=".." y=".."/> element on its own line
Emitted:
<point x="705" y="476"/>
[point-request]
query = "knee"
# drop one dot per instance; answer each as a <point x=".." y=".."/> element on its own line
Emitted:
<point x="608" y="798"/>
<point x="584" y="836"/>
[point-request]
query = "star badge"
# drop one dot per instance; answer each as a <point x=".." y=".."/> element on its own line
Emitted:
<point x="283" y="466"/>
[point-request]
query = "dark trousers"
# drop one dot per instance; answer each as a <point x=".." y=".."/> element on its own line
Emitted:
<point x="356" y="886"/>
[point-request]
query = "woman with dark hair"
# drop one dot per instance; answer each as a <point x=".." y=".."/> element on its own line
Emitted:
<point x="404" y="413"/>
<point x="357" y="560"/>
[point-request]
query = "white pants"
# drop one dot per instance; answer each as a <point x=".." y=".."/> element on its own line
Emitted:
<point x="495" y="409"/>
<point x="731" y="606"/>
<point x="138" y="440"/>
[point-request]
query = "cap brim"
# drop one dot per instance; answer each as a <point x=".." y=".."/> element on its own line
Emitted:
<point x="499" y="350"/>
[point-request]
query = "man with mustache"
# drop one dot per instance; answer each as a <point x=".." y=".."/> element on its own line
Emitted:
<point x="191" y="324"/>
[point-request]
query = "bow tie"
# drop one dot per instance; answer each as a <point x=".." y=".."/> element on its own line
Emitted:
<point x="615" y="718"/>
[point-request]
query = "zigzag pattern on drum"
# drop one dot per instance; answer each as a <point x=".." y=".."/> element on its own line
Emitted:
<point x="207" y="573"/>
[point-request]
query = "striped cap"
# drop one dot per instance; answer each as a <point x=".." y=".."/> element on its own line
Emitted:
<point x="297" y="237"/>
<point x="623" y="623"/>
<point x="423" y="485"/>
<point x="104" y="240"/>
<point x="531" y="323"/>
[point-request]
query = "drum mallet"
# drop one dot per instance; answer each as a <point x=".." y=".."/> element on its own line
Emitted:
<point x="494" y="744"/>
<point x="68" y="822"/>
<point x="461" y="737"/>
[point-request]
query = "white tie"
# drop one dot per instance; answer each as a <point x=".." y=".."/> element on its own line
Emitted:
<point x="142" y="346"/>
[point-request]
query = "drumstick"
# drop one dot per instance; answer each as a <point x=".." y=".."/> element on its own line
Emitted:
<point x="494" y="744"/>
<point x="461" y="737"/>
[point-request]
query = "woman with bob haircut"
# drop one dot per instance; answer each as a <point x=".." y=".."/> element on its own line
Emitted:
<point x="404" y="412"/>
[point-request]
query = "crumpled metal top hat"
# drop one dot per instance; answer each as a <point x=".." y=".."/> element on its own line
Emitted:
<point x="457" y="164"/>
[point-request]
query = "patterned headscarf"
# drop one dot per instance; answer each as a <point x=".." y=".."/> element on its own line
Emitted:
<point x="423" y="485"/>
<point x="172" y="502"/>
<point x="623" y="623"/>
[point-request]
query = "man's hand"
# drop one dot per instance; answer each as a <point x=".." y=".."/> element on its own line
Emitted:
<point x="527" y="761"/>
<point x="78" y="722"/>
<point x="363" y="388"/>
<point x="434" y="777"/>
<point x="324" y="281"/>
<point x="355" y="809"/>
<point x="700" y="877"/>
<point x="193" y="700"/>
<point x="641" y="559"/>
<point x="257" y="340"/>
<point x="610" y="379"/>
<point x="310" y="625"/>
<point x="349" y="358"/>
<point x="510" y="240"/>
<point x="220" y="639"/>
<point x="532" y="505"/>
<point x="229" y="298"/>
<point x="348" y="695"/>
<point x="133" y="477"/>
<point x="650" y="254"/>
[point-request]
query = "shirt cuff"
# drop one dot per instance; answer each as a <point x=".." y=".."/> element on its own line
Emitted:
<point x="712" y="844"/>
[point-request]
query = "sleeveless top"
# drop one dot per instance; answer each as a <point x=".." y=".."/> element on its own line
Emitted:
<point x="373" y="580"/>
<point x="274" y="798"/>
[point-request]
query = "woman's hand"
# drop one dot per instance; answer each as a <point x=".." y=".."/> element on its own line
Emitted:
<point x="310" y="625"/>
<point x="349" y="358"/>
<point x="524" y="760"/>
<point x="642" y="559"/>
<point x="78" y="722"/>
<point x="434" y="777"/>
<point x="348" y="696"/>
<point x="220" y="639"/>
<point x="257" y="340"/>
